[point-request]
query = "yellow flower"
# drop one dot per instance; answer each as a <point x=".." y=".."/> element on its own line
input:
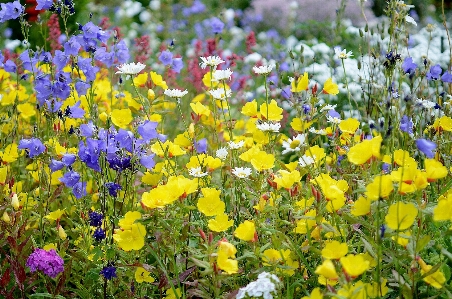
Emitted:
<point x="245" y="231"/>
<point x="220" y="223"/>
<point x="381" y="187"/>
<point x="301" y="84"/>
<point x="364" y="151"/>
<point x="26" y="110"/>
<point x="349" y="125"/>
<point x="249" y="154"/>
<point x="402" y="158"/>
<point x="158" y="80"/>
<point x="169" y="147"/>
<point x="15" y="202"/>
<point x="55" y="215"/>
<point x="361" y="207"/>
<point x="129" y="218"/>
<point x="354" y="265"/>
<point x="140" y="80"/>
<point x="141" y="275"/>
<point x="200" y="109"/>
<point x="444" y="123"/>
<point x="436" y="279"/>
<point x="442" y="211"/>
<point x="401" y="215"/>
<point x="250" y="109"/>
<point x="151" y="179"/>
<point x="160" y="197"/>
<point x="210" y="204"/>
<point x="305" y="225"/>
<point x="274" y="112"/>
<point x="327" y="270"/>
<point x="334" y="250"/>
<point x="315" y="294"/>
<point x="263" y="161"/>
<point x="131" y="239"/>
<point x="226" y="251"/>
<point x="50" y="246"/>
<point x="330" y="87"/>
<point x="435" y="170"/>
<point x="374" y="290"/>
<point x="10" y="154"/>
<point x="281" y="259"/>
<point x="173" y="294"/>
<point x="3" y="174"/>
<point x="317" y="153"/>
<point x="121" y="117"/>
<point x="5" y="217"/>
<point x="286" y="179"/>
<point x="300" y="125"/>
<point x="402" y="238"/>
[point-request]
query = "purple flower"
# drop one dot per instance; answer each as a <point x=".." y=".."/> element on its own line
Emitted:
<point x="122" y="52"/>
<point x="406" y="125"/>
<point x="201" y="145"/>
<point x="33" y="146"/>
<point x="90" y="30"/>
<point x="166" y="57"/>
<point x="216" y="25"/>
<point x="334" y="114"/>
<point x="49" y="262"/>
<point x="408" y="66"/>
<point x="105" y="57"/>
<point x="113" y="188"/>
<point x="44" y="4"/>
<point x="88" y="69"/>
<point x="99" y="234"/>
<point x="70" y="179"/>
<point x="109" y="272"/>
<point x="447" y="77"/>
<point x="75" y="111"/>
<point x="385" y="167"/>
<point x="426" y="146"/>
<point x="95" y="219"/>
<point x="177" y="65"/>
<point x="56" y="165"/>
<point x="125" y="139"/>
<point x="10" y="11"/>
<point x="119" y="163"/>
<point x="148" y="161"/>
<point x="79" y="190"/>
<point x="68" y="159"/>
<point x="89" y="154"/>
<point x="29" y="60"/>
<point x="147" y="130"/>
<point x="10" y="66"/>
<point x="72" y="46"/>
<point x="87" y="130"/>
<point x="81" y="87"/>
<point x="434" y="73"/>
<point x="60" y="59"/>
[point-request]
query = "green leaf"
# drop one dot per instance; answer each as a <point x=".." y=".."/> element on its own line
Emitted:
<point x="422" y="243"/>
<point x="46" y="295"/>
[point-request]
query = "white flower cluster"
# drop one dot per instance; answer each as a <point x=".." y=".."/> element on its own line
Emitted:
<point x="175" y="93"/>
<point x="130" y="68"/>
<point x="212" y="61"/>
<point x="265" y="286"/>
<point x="268" y="126"/>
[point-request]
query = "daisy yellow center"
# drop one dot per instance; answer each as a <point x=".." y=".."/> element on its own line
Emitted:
<point x="294" y="144"/>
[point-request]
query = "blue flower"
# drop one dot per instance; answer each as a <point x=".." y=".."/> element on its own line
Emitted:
<point x="72" y="46"/>
<point x="79" y="190"/>
<point x="113" y="188"/>
<point x="125" y="139"/>
<point x="44" y="4"/>
<point x="447" y="77"/>
<point x="33" y="146"/>
<point x="119" y="163"/>
<point x="60" y="59"/>
<point x="166" y="57"/>
<point x="147" y="130"/>
<point x="122" y="52"/>
<point x="148" y="161"/>
<point x="434" y="73"/>
<point x="68" y="159"/>
<point x="105" y="57"/>
<point x="201" y="145"/>
<point x="408" y="66"/>
<point x="10" y="11"/>
<point x="90" y="30"/>
<point x="95" y="219"/>
<point x="406" y="125"/>
<point x="216" y="25"/>
<point x="55" y="165"/>
<point x="81" y="87"/>
<point x="10" y="66"/>
<point x="109" y="272"/>
<point x="75" y="111"/>
<point x="177" y="65"/>
<point x="426" y="146"/>
<point x="99" y="234"/>
<point x="87" y="130"/>
<point x="70" y="179"/>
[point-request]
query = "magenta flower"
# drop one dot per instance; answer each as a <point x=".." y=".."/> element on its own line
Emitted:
<point x="49" y="262"/>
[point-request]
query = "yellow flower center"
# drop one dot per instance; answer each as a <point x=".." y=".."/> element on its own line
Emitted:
<point x="294" y="144"/>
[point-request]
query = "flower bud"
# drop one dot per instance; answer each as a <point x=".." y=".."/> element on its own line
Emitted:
<point x="15" y="202"/>
<point x="62" y="233"/>
<point x="5" y="217"/>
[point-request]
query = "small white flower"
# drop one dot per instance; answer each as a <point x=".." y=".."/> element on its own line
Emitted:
<point x="342" y="54"/>
<point x="328" y="107"/>
<point x="268" y="126"/>
<point x="263" y="69"/>
<point x="295" y="144"/>
<point x="306" y="160"/>
<point x="130" y="68"/>
<point x="221" y="153"/>
<point x="220" y="75"/>
<point x="333" y="120"/>
<point x="265" y="286"/>
<point x="236" y="145"/>
<point x="425" y="103"/>
<point x="319" y="132"/>
<point x="175" y="93"/>
<point x="409" y="19"/>
<point x="197" y="172"/>
<point x="218" y="94"/>
<point x="242" y="172"/>
<point x="212" y="61"/>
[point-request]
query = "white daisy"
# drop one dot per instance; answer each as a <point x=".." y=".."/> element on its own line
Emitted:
<point x="263" y="69"/>
<point x="333" y="120"/>
<point x="342" y="54"/>
<point x="175" y="93"/>
<point x="295" y="144"/>
<point x="306" y="160"/>
<point x="130" y="68"/>
<point x="319" y="132"/>
<point x="218" y="94"/>
<point x="236" y="145"/>
<point x="212" y="61"/>
<point x="425" y="103"/>
<point x="328" y="107"/>
<point x="268" y="126"/>
<point x="221" y="153"/>
<point x="197" y="172"/>
<point x="242" y="172"/>
<point x="220" y="75"/>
